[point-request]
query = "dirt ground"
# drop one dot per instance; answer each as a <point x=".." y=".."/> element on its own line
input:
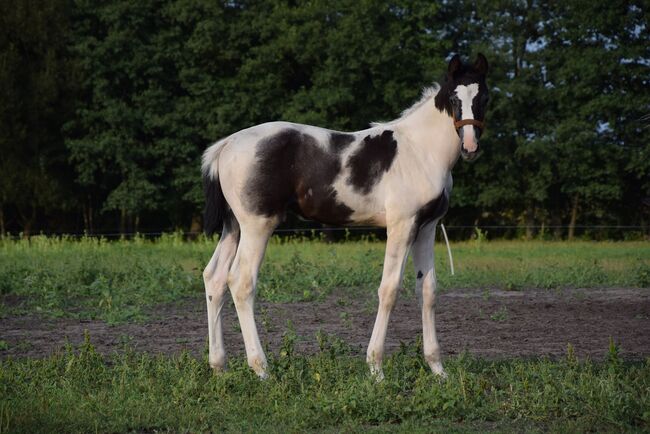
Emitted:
<point x="491" y="324"/>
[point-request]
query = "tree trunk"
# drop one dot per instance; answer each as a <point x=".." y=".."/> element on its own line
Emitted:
<point x="2" y="222"/>
<point x="122" y="221"/>
<point x="195" y="226"/>
<point x="574" y="217"/>
<point x="86" y="217"/>
<point x="529" y="217"/>
<point x="91" y="225"/>
<point x="28" y="221"/>
<point x="136" y="224"/>
<point x="556" y="222"/>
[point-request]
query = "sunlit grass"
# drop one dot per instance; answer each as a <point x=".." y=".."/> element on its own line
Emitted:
<point x="80" y="391"/>
<point x="117" y="280"/>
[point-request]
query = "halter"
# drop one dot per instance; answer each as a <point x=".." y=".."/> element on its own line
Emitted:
<point x="460" y="123"/>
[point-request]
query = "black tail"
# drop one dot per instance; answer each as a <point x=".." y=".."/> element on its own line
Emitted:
<point x="216" y="206"/>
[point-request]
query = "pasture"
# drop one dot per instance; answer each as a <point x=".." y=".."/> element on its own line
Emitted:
<point x="111" y="336"/>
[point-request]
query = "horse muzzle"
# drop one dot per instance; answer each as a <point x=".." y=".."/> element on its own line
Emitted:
<point x="469" y="155"/>
<point x="469" y="148"/>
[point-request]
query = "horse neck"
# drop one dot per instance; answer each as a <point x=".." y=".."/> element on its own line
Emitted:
<point x="432" y="134"/>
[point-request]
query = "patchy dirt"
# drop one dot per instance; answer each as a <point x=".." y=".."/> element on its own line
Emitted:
<point x="491" y="324"/>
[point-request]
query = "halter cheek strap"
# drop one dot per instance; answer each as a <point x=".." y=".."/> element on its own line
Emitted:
<point x="463" y="122"/>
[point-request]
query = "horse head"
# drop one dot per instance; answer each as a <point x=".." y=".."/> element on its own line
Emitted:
<point x="464" y="96"/>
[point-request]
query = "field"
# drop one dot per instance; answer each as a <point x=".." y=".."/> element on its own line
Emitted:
<point x="111" y="336"/>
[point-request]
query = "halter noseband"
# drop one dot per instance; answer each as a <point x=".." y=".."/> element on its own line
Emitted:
<point x="460" y="123"/>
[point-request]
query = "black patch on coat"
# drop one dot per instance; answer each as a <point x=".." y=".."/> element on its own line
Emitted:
<point x="293" y="172"/>
<point x="373" y="158"/>
<point x="210" y="297"/>
<point x="431" y="211"/>
<point x="340" y="141"/>
<point x="420" y="274"/>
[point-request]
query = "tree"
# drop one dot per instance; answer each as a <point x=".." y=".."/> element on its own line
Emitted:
<point x="34" y="102"/>
<point x="124" y="141"/>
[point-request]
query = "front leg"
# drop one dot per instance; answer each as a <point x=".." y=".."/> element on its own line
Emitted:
<point x="425" y="288"/>
<point x="397" y="249"/>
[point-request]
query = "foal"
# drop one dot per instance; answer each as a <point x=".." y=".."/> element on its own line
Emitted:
<point x="395" y="175"/>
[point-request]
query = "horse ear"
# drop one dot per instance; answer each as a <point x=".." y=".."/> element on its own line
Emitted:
<point x="454" y="66"/>
<point x="481" y="64"/>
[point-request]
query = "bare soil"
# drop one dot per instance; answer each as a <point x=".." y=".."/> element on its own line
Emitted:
<point x="491" y="324"/>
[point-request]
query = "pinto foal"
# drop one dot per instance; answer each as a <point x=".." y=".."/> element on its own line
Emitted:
<point x="395" y="175"/>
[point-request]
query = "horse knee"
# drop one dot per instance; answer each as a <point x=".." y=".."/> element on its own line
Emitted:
<point x="208" y="274"/>
<point x="215" y="286"/>
<point x="387" y="297"/>
<point x="241" y="287"/>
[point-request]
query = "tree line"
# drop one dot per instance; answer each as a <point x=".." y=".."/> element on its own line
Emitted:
<point x="106" y="107"/>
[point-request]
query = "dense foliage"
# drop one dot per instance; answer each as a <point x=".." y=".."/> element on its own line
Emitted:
<point x="106" y="106"/>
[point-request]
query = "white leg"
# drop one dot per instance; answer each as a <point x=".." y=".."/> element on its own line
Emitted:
<point x="397" y="248"/>
<point x="242" y="280"/>
<point x="215" y="277"/>
<point x="425" y="288"/>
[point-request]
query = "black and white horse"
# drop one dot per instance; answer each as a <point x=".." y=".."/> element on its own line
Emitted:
<point x="395" y="175"/>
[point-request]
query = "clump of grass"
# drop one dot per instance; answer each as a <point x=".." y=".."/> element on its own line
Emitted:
<point x="79" y="391"/>
<point x="500" y="315"/>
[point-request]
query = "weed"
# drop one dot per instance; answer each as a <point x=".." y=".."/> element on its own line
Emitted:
<point x="500" y="315"/>
<point x="265" y="319"/>
<point x="345" y="319"/>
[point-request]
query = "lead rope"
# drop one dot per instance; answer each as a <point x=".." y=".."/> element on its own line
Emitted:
<point x="451" y="260"/>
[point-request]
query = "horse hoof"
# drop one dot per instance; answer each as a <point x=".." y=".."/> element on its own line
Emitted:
<point x="218" y="370"/>
<point x="376" y="373"/>
<point x="438" y="371"/>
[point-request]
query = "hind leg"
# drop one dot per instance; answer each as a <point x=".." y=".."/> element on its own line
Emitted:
<point x="215" y="278"/>
<point x="242" y="281"/>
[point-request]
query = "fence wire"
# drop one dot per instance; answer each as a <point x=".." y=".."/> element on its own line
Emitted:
<point x="326" y="230"/>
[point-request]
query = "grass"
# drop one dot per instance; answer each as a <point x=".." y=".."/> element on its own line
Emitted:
<point x="117" y="281"/>
<point x="80" y="391"/>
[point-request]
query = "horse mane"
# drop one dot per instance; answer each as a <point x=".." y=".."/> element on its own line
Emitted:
<point x="428" y="93"/>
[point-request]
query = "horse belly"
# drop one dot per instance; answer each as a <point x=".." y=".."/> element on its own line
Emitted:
<point x="319" y="202"/>
<point x="323" y="203"/>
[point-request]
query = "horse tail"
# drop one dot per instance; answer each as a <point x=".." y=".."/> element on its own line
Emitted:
<point x="216" y="206"/>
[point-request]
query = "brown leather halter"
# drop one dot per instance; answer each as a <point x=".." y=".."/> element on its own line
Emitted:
<point x="460" y="123"/>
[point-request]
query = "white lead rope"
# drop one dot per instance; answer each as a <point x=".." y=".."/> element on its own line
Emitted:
<point x="451" y="260"/>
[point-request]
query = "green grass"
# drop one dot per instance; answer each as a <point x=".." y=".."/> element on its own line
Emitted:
<point x="117" y="281"/>
<point x="79" y="391"/>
